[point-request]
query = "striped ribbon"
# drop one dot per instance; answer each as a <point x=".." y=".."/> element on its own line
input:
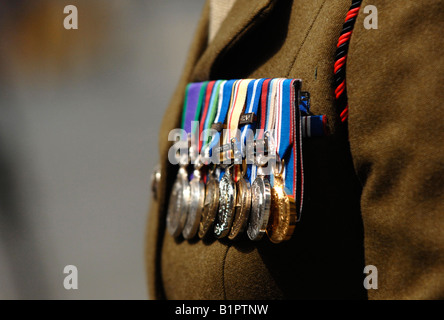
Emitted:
<point x="205" y="113"/>
<point x="225" y="92"/>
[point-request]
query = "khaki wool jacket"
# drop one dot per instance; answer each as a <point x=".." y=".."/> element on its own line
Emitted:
<point x="374" y="192"/>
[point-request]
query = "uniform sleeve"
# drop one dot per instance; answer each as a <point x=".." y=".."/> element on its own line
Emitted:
<point x="395" y="82"/>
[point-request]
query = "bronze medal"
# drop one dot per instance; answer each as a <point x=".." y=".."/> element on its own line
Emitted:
<point x="211" y="205"/>
<point x="283" y="215"/>
<point x="243" y="205"/>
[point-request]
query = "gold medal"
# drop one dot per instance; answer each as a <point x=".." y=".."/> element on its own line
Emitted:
<point x="283" y="215"/>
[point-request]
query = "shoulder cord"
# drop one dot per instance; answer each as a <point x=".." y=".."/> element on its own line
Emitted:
<point x="341" y="59"/>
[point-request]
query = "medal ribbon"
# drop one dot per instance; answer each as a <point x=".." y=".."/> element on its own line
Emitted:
<point x="237" y="108"/>
<point x="268" y="104"/>
<point x="253" y="99"/>
<point x="286" y="141"/>
<point x="263" y="109"/>
<point x="262" y="119"/>
<point x="205" y="112"/>
<point x="192" y="108"/>
<point x="214" y="109"/>
<point x="214" y="104"/>
<point x="225" y="93"/>
<point x="238" y="103"/>
<point x="271" y="103"/>
<point x="200" y="104"/>
<point x="294" y="180"/>
<point x="226" y="137"/>
<point x="190" y="105"/>
<point x="282" y="121"/>
<point x="194" y="105"/>
<point x="314" y="126"/>
<point x="274" y="100"/>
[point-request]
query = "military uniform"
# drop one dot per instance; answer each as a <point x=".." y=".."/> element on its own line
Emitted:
<point x="374" y="192"/>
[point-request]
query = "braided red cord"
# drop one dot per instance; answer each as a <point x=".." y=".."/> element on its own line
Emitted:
<point x="341" y="59"/>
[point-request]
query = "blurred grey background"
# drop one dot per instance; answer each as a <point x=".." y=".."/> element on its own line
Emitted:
<point x="80" y="112"/>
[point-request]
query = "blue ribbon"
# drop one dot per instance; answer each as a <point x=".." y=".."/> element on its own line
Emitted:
<point x="285" y="148"/>
<point x="222" y="115"/>
<point x="253" y="99"/>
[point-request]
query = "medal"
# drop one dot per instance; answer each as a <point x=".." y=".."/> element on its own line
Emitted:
<point x="260" y="207"/>
<point x="238" y="195"/>
<point x="178" y="203"/>
<point x="180" y="194"/>
<point x="243" y="201"/>
<point x="227" y="201"/>
<point x="197" y="187"/>
<point x="282" y="218"/>
<point x="211" y="202"/>
<point x="227" y="186"/>
<point x="243" y="192"/>
<point x="260" y="189"/>
<point x="197" y="197"/>
<point x="212" y="195"/>
<point x="282" y="213"/>
<point x="243" y="205"/>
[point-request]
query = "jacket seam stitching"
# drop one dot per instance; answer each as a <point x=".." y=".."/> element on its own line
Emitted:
<point x="305" y="38"/>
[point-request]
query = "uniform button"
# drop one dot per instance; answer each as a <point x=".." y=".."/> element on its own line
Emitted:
<point x="155" y="180"/>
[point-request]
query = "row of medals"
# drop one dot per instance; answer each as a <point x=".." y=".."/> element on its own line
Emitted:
<point x="229" y="208"/>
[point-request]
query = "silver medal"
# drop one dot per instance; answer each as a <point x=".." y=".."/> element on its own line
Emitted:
<point x="178" y="203"/>
<point x="197" y="197"/>
<point x="260" y="208"/>
<point x="227" y="199"/>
